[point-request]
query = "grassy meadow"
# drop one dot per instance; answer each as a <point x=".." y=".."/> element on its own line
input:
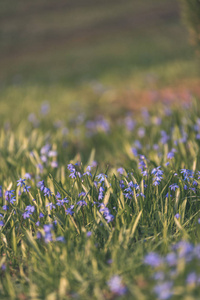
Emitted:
<point x="99" y="152"/>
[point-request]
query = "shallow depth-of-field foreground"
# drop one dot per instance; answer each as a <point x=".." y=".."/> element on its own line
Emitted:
<point x="99" y="208"/>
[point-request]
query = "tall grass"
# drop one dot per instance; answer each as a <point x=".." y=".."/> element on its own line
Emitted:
<point x="95" y="198"/>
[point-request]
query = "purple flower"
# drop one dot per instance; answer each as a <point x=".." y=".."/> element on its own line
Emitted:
<point x="173" y="187"/>
<point x="195" y="183"/>
<point x="82" y="194"/>
<point x="39" y="235"/>
<point x="196" y="251"/>
<point x="184" y="249"/>
<point x="69" y="211"/>
<point x="121" y="184"/>
<point x="27" y="176"/>
<point x="45" y="108"/>
<point x="5" y="207"/>
<point x="187" y="174"/>
<point x="130" y="123"/>
<point x="52" y="153"/>
<point x="164" y="290"/>
<point x="26" y="188"/>
<point x="101" y="177"/>
<point x="116" y="286"/>
<point x="164" y="139"/>
<point x="88" y="169"/>
<point x="48" y="237"/>
<point x="47" y="192"/>
<point x="177" y="216"/>
<point x="109" y="218"/>
<point x="47" y="228"/>
<point x="159" y="276"/>
<point x="43" y="158"/>
<point x="171" y="259"/>
<point x="120" y="171"/>
<point x="141" y="132"/>
<point x="21" y="182"/>
<point x="54" y="164"/>
<point x="60" y="239"/>
<point x="8" y="195"/>
<point x="89" y="233"/>
<point x="101" y="195"/>
<point x="170" y="155"/>
<point x="41" y="185"/>
<point x="153" y="259"/>
<point x="109" y="261"/>
<point x="30" y="209"/>
<point x="81" y="203"/>
<point x="134" y="151"/>
<point x="26" y="215"/>
<point x="51" y="205"/>
<point x="192" y="278"/>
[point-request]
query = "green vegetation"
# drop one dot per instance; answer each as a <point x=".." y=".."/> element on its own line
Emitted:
<point x="97" y="201"/>
<point x="48" y="42"/>
<point x="84" y="232"/>
<point x="191" y="14"/>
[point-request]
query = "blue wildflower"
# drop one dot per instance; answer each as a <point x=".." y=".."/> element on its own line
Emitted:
<point x="8" y="195"/>
<point x="171" y="259"/>
<point x="164" y="137"/>
<point x="159" y="276"/>
<point x="121" y="184"/>
<point x="116" y="286"/>
<point x="45" y="149"/>
<point x="120" y="171"/>
<point x="177" y="216"/>
<point x="28" y="176"/>
<point x="41" y="185"/>
<point x="5" y="207"/>
<point x="101" y="177"/>
<point x="101" y="195"/>
<point x="47" y="192"/>
<point x="69" y="211"/>
<point x="153" y="259"/>
<point x="26" y="188"/>
<point x="60" y="239"/>
<point x="187" y="174"/>
<point x="192" y="278"/>
<point x="130" y="123"/>
<point x="51" y="206"/>
<point x="30" y="208"/>
<point x="173" y="187"/>
<point x="52" y="153"/>
<point x="21" y="182"/>
<point x="170" y="155"/>
<point x="164" y="290"/>
<point x="81" y="203"/>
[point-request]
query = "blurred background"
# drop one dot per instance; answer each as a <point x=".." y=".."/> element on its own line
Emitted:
<point x="124" y="50"/>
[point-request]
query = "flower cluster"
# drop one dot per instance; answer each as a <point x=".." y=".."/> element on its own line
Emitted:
<point x="174" y="268"/>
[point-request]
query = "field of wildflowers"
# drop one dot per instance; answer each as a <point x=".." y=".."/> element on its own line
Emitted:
<point x="99" y="207"/>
